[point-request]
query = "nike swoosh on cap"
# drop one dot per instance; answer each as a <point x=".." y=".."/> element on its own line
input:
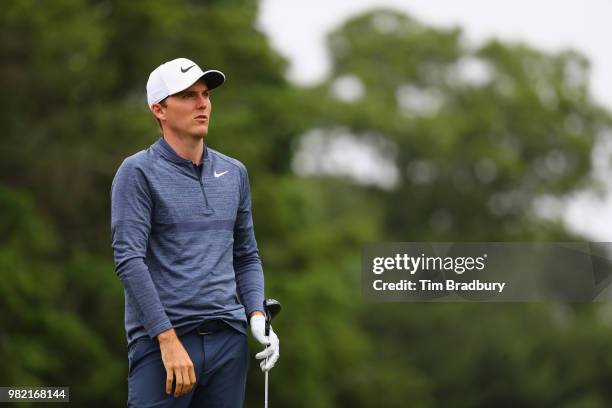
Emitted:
<point x="183" y="70"/>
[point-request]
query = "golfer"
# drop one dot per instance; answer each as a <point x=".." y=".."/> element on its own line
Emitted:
<point x="185" y="251"/>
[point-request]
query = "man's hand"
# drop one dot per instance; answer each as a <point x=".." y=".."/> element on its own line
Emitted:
<point x="272" y="351"/>
<point x="177" y="363"/>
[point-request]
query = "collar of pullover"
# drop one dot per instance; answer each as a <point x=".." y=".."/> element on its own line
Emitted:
<point x="168" y="152"/>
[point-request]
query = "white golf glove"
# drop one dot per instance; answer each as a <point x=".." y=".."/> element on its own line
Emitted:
<point x="272" y="351"/>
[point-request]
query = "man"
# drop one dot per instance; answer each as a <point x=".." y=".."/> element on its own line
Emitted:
<point x="185" y="251"/>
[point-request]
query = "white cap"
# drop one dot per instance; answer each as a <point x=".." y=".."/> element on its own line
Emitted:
<point x="176" y="75"/>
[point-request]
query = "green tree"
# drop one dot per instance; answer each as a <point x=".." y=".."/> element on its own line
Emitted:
<point x="473" y="156"/>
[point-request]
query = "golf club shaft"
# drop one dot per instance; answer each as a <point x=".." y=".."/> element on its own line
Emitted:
<point x="271" y="308"/>
<point x="266" y="387"/>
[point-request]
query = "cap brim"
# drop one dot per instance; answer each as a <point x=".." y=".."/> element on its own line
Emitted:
<point x="213" y="78"/>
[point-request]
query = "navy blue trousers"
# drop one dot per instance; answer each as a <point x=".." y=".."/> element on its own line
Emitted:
<point x="220" y="360"/>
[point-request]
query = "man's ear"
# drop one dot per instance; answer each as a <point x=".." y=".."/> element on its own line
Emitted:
<point x="159" y="111"/>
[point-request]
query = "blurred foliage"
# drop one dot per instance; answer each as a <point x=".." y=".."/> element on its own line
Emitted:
<point x="473" y="155"/>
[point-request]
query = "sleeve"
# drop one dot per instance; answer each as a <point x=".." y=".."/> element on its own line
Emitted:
<point x="131" y="209"/>
<point x="247" y="263"/>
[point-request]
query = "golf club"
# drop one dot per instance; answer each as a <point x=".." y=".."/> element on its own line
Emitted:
<point x="272" y="307"/>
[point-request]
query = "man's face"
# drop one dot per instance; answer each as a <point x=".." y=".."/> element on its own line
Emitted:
<point x="187" y="113"/>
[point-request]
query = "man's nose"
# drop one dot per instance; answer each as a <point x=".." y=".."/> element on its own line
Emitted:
<point x="201" y="101"/>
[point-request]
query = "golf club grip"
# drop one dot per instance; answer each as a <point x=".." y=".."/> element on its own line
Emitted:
<point x="268" y="318"/>
<point x="271" y="308"/>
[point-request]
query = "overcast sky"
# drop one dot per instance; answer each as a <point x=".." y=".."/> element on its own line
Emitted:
<point x="297" y="30"/>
